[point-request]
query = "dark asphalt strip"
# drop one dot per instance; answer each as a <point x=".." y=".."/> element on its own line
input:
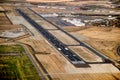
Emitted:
<point x="67" y="53"/>
<point x="105" y="59"/>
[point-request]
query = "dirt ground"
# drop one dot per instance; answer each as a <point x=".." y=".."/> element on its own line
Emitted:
<point x="1" y="9"/>
<point x="104" y="39"/>
<point x="4" y="19"/>
<point x="46" y="25"/>
<point x="11" y="10"/>
<point x="48" y="0"/>
<point x="50" y="10"/>
<point x="9" y="27"/>
<point x="89" y="2"/>
<point x="76" y="2"/>
<point x="72" y="28"/>
<point x="57" y="66"/>
<point x="40" y="46"/>
<point x="36" y="17"/>
<point x="63" y="37"/>
<point x="84" y="53"/>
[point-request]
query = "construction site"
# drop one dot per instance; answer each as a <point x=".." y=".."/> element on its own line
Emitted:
<point x="62" y="39"/>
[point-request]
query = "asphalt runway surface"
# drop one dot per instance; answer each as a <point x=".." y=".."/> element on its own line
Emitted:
<point x="104" y="58"/>
<point x="67" y="53"/>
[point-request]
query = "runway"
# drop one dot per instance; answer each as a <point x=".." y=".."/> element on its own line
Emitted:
<point x="62" y="48"/>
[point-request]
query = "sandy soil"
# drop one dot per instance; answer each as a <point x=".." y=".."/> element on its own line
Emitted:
<point x="46" y="25"/>
<point x="35" y="17"/>
<point x="4" y="19"/>
<point x="63" y="37"/>
<point x="48" y="0"/>
<point x="103" y="33"/>
<point x="12" y="31"/>
<point x="87" y="76"/>
<point x="1" y="9"/>
<point x="39" y="20"/>
<point x="85" y="54"/>
<point x="89" y="2"/>
<point x="51" y="10"/>
<point x="72" y="28"/>
<point x="56" y="64"/>
<point x="9" y="27"/>
<point x="40" y="46"/>
<point x="59" y="68"/>
<point x="2" y="40"/>
<point x="2" y="14"/>
<point x="103" y="39"/>
<point x="11" y="9"/>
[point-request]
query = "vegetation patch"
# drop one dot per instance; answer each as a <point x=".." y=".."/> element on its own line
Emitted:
<point x="11" y="49"/>
<point x="16" y="67"/>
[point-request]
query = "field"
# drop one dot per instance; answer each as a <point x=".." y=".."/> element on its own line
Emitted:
<point x="58" y="67"/>
<point x="16" y="67"/>
<point x="86" y="54"/>
<point x="89" y="2"/>
<point x="1" y="9"/>
<point x="9" y="27"/>
<point x="4" y="19"/>
<point x="13" y="31"/>
<point x="63" y="37"/>
<point x="46" y="25"/>
<point x="49" y="59"/>
<point x="103" y="39"/>
<point x="11" y="49"/>
<point x="48" y="0"/>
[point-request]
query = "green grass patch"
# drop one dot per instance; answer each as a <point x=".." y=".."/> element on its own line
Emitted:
<point x="16" y="67"/>
<point x="11" y="48"/>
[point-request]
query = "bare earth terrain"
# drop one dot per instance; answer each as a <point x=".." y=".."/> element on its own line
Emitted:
<point x="49" y="59"/>
<point x="85" y="54"/>
<point x="58" y="67"/>
<point x="63" y="37"/>
<point x="48" y="0"/>
<point x="103" y="39"/>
